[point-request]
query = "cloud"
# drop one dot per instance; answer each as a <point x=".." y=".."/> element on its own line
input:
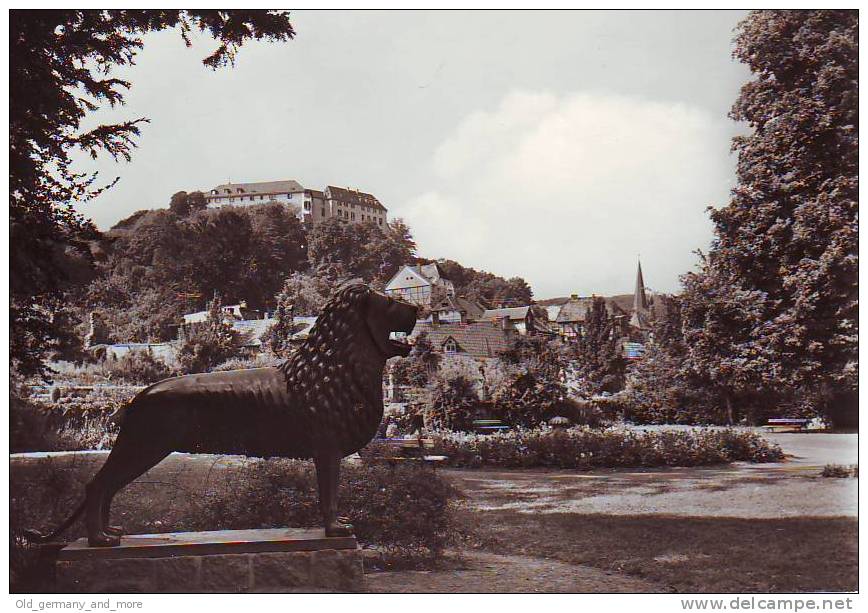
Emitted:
<point x="567" y="190"/>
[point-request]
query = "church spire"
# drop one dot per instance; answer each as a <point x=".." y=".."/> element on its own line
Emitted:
<point x="640" y="301"/>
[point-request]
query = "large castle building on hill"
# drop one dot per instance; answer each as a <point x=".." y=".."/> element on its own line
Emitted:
<point x="313" y="205"/>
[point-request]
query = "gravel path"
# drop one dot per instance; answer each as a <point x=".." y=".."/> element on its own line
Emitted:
<point x="488" y="572"/>
<point x="736" y="491"/>
<point x="743" y="490"/>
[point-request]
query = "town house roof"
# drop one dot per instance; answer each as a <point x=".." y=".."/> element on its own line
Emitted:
<point x="577" y="309"/>
<point x="460" y="304"/>
<point x="514" y="313"/>
<point x="479" y="340"/>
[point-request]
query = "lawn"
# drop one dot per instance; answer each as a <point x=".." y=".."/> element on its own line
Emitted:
<point x="688" y="554"/>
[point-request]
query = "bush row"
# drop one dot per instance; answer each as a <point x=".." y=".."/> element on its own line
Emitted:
<point x="585" y="448"/>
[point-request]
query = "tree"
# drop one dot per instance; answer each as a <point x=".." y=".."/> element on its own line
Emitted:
<point x="454" y="401"/>
<point x="386" y="251"/>
<point x="182" y="203"/>
<point x="306" y="293"/>
<point x="596" y="355"/>
<point x="220" y="246"/>
<point x="484" y="287"/>
<point x="278" y="248"/>
<point x="196" y="201"/>
<point x="361" y="249"/>
<point x="659" y="389"/>
<point x="60" y="72"/>
<point x="333" y="241"/>
<point x="208" y="344"/>
<point x="419" y="368"/>
<point x="534" y="388"/>
<point x="281" y="332"/>
<point x="775" y="303"/>
<point x="178" y="204"/>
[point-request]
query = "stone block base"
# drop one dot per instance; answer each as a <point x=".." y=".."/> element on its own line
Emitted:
<point x="224" y="561"/>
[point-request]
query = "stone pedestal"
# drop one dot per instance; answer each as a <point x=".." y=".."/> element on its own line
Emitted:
<point x="282" y="559"/>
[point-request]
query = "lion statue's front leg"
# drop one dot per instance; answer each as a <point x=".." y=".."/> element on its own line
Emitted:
<point x="328" y="472"/>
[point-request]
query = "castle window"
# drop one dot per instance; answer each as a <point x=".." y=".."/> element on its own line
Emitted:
<point x="450" y="346"/>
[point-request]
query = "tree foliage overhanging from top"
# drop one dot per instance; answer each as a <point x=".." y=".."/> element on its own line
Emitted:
<point x="60" y="71"/>
<point x="775" y="302"/>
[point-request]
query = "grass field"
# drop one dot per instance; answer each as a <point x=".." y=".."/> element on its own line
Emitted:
<point x="688" y="554"/>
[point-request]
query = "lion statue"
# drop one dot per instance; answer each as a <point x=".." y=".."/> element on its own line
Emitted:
<point x="324" y="403"/>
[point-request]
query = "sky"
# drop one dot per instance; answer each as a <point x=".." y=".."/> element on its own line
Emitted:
<point x="555" y="146"/>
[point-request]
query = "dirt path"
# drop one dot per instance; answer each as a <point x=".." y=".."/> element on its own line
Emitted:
<point x="488" y="572"/>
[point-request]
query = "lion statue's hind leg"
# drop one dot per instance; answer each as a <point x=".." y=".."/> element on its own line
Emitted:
<point x="128" y="459"/>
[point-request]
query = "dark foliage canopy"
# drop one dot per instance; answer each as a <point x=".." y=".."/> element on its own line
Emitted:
<point x="60" y="71"/>
<point x="775" y="302"/>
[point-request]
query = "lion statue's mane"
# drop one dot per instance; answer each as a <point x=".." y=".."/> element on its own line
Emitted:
<point x="333" y="374"/>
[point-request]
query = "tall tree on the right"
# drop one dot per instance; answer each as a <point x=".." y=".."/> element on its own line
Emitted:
<point x="776" y="301"/>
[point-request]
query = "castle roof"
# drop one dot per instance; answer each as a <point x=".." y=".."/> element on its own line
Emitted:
<point x="350" y="196"/>
<point x="264" y="187"/>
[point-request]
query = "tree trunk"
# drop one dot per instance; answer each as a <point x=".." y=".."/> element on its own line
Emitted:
<point x="728" y="401"/>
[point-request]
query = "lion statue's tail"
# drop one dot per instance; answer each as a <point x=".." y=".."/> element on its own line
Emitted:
<point x="37" y="537"/>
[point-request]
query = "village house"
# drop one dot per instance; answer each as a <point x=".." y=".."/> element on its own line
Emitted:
<point x="455" y="309"/>
<point x="312" y="206"/>
<point x="524" y="320"/>
<point x="479" y="340"/>
<point x="631" y="313"/>
<point x="417" y="284"/>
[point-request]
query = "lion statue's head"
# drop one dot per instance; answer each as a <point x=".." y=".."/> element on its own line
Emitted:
<point x="355" y="326"/>
<point x="355" y="314"/>
<point x="336" y="374"/>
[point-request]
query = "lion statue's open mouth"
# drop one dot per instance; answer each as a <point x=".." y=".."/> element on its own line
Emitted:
<point x="324" y="403"/>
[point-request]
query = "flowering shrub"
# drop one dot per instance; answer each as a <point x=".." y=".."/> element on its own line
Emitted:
<point x="585" y="448"/>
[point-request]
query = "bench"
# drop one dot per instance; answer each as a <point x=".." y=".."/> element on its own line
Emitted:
<point x="788" y="422"/>
<point x="411" y="450"/>
<point x="487" y="426"/>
